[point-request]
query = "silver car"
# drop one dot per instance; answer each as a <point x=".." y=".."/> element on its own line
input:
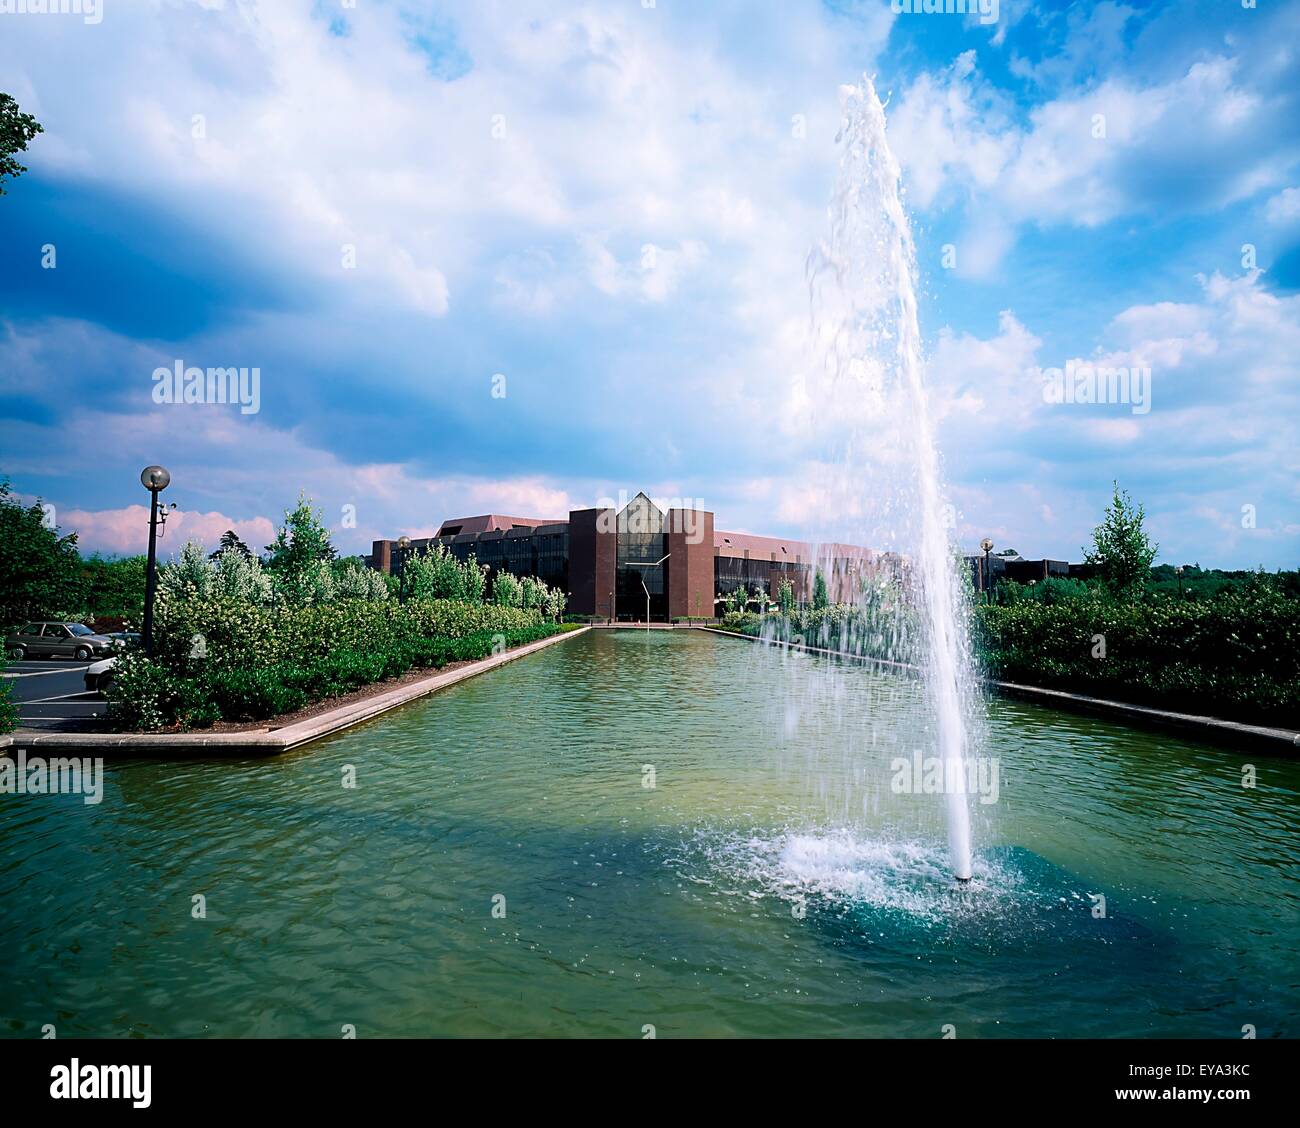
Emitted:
<point x="57" y="640"/>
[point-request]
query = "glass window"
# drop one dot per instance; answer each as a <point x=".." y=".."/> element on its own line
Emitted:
<point x="641" y="541"/>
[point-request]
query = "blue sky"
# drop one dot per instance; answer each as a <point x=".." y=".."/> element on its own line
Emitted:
<point x="501" y="170"/>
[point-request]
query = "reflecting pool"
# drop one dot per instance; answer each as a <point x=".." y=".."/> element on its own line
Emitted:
<point x="661" y="829"/>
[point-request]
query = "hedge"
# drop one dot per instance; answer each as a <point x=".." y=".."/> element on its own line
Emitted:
<point x="236" y="661"/>
<point x="8" y="710"/>
<point x="241" y="635"/>
<point x="875" y="631"/>
<point x="1235" y="657"/>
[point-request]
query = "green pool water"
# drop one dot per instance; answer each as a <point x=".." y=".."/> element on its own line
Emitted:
<point x="770" y="882"/>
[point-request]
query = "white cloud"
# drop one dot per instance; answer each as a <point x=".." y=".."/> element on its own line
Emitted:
<point x="525" y="191"/>
<point x="1125" y="144"/>
<point x="571" y="120"/>
<point x="1284" y="208"/>
<point x="125" y="531"/>
<point x="1224" y="424"/>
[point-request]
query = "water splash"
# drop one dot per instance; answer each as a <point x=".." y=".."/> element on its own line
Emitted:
<point x="868" y="401"/>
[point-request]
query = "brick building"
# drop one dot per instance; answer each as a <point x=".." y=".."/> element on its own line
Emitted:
<point x="609" y="562"/>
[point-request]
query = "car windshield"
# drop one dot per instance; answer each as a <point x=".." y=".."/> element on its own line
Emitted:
<point x="79" y="629"/>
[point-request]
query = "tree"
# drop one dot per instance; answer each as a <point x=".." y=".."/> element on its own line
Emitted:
<point x="114" y="588"/>
<point x="821" y="598"/>
<point x="301" y="542"/>
<point x="16" y="129"/>
<point x="785" y="597"/>
<point x="1121" y="551"/>
<point x="40" y="571"/>
<point x="230" y="539"/>
<point x="308" y="586"/>
<point x="241" y="578"/>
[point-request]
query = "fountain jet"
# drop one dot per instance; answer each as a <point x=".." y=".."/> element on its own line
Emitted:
<point x="863" y="282"/>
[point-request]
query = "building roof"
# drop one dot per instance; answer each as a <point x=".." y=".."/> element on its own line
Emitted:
<point x="782" y="548"/>
<point x="759" y="548"/>
<point x="490" y="522"/>
<point x="492" y="526"/>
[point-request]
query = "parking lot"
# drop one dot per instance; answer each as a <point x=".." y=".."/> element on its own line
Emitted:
<point x="52" y="694"/>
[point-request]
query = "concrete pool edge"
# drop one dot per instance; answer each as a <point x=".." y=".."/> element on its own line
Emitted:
<point x="1234" y="734"/>
<point x="269" y="742"/>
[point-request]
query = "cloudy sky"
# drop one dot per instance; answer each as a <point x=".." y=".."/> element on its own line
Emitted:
<point x="385" y="206"/>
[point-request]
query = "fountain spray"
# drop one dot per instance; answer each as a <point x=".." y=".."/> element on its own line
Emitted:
<point x="863" y="280"/>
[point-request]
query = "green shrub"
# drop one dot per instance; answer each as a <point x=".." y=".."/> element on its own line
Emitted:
<point x="8" y="710"/>
<point x="253" y="695"/>
<point x="742" y="622"/>
<point x="1053" y="589"/>
<point x="146" y="696"/>
<point x="435" y="573"/>
<point x="878" y="628"/>
<point x="1233" y="657"/>
<point x="240" y="635"/>
<point x="149" y="696"/>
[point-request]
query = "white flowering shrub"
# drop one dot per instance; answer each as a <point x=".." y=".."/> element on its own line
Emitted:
<point x="435" y="573"/>
<point x="240" y="577"/>
<point x="190" y="576"/>
<point x="532" y="593"/>
<point x="506" y="591"/>
<point x="241" y="634"/>
<point x="556" y="601"/>
<point x="236" y="575"/>
<point x="358" y="582"/>
<point x="308" y="586"/>
<point x="475" y="579"/>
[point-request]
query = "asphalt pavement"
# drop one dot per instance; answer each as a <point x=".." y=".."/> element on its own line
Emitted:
<point x="51" y="694"/>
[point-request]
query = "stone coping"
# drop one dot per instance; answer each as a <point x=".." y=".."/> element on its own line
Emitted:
<point x="269" y="741"/>
<point x="1277" y="742"/>
<point x="654" y="626"/>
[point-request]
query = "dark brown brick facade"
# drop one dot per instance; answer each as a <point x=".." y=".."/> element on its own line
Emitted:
<point x="593" y="560"/>
<point x="690" y="563"/>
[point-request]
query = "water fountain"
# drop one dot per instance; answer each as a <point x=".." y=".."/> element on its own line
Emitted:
<point x="870" y="403"/>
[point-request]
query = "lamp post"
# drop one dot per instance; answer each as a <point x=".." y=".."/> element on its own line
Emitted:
<point x="155" y="479"/>
<point x="403" y="544"/>
<point x="611" y="608"/>
<point x="987" y="546"/>
<point x="645" y="589"/>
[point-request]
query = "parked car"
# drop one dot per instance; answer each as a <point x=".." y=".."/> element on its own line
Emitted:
<point x="99" y="676"/>
<point x="57" y="640"/>
<point x="122" y="639"/>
